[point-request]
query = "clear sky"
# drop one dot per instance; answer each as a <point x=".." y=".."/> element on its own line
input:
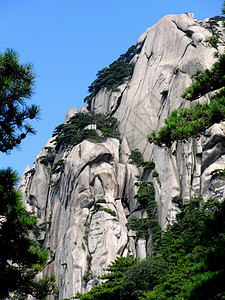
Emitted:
<point x="69" y="41"/>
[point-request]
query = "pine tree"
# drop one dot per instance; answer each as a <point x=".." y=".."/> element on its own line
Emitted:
<point x="16" y="87"/>
<point x="21" y="257"/>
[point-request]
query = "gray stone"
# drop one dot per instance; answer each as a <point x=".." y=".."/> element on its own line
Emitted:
<point x="87" y="204"/>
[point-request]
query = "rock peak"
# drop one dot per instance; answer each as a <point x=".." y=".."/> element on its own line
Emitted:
<point x="86" y="193"/>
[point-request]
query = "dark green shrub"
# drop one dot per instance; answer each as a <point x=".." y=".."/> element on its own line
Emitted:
<point x="146" y="197"/>
<point x="83" y="246"/>
<point x="49" y="158"/>
<point x="145" y="194"/>
<point x="142" y="277"/>
<point x="189" y="263"/>
<point x="213" y="40"/>
<point x="113" y="287"/>
<point x="141" y="225"/>
<point x="87" y="276"/>
<point x="155" y="174"/>
<point x="31" y="172"/>
<point x="136" y="158"/>
<point x="97" y="207"/>
<point x="21" y="257"/>
<point x="57" y="166"/>
<point x="75" y="131"/>
<point x="101" y="200"/>
<point x="191" y="122"/>
<point x="148" y="165"/>
<point x="109" y="211"/>
<point x="207" y="80"/>
<point x="178" y="200"/>
<point x="218" y="173"/>
<point x="113" y="76"/>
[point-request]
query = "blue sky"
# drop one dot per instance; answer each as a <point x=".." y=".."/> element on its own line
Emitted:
<point x="69" y="41"/>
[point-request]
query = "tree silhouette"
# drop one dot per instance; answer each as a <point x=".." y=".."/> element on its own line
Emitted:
<point x="21" y="257"/>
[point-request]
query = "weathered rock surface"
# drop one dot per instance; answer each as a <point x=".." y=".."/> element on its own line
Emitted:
<point x="82" y="206"/>
<point x="86" y="196"/>
<point x="172" y="50"/>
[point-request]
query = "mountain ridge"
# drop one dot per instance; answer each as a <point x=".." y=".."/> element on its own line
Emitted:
<point x="86" y="193"/>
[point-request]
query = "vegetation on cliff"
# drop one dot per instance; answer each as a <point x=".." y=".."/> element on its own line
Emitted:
<point x="90" y="126"/>
<point x="188" y="264"/>
<point x="149" y="225"/>
<point x="115" y="75"/>
<point x="188" y="260"/>
<point x="191" y="122"/>
<point x="21" y="257"/>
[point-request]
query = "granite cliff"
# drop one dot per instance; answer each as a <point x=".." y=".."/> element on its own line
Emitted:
<point x="85" y="194"/>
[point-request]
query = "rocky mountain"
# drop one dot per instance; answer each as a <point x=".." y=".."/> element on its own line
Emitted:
<point x="84" y="194"/>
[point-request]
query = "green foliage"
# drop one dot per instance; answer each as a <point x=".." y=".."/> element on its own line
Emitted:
<point x="113" y="288"/>
<point x="145" y="194"/>
<point x="49" y="158"/>
<point x="74" y="132"/>
<point x="85" y="237"/>
<point x="109" y="211"/>
<point x="45" y="287"/>
<point x="218" y="173"/>
<point x="188" y="264"/>
<point x="87" y="276"/>
<point x="115" y="219"/>
<point x="57" y="166"/>
<point x="146" y="197"/>
<point x="141" y="225"/>
<point x="178" y="201"/>
<point x="155" y="173"/>
<point x="101" y="200"/>
<point x="207" y="80"/>
<point x="142" y="277"/>
<point x="136" y="158"/>
<point x="16" y="86"/>
<point x="98" y="207"/>
<point x="113" y="76"/>
<point x="148" y="165"/>
<point x="192" y="252"/>
<point x="191" y="122"/>
<point x="21" y="258"/>
<point x="83" y="246"/>
<point x="213" y="40"/>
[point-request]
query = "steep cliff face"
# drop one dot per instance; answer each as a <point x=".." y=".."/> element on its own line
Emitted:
<point x="85" y="194"/>
<point x="172" y="51"/>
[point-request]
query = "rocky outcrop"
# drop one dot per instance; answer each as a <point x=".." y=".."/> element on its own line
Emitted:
<point x="84" y="195"/>
<point x="81" y="205"/>
<point x="172" y="50"/>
